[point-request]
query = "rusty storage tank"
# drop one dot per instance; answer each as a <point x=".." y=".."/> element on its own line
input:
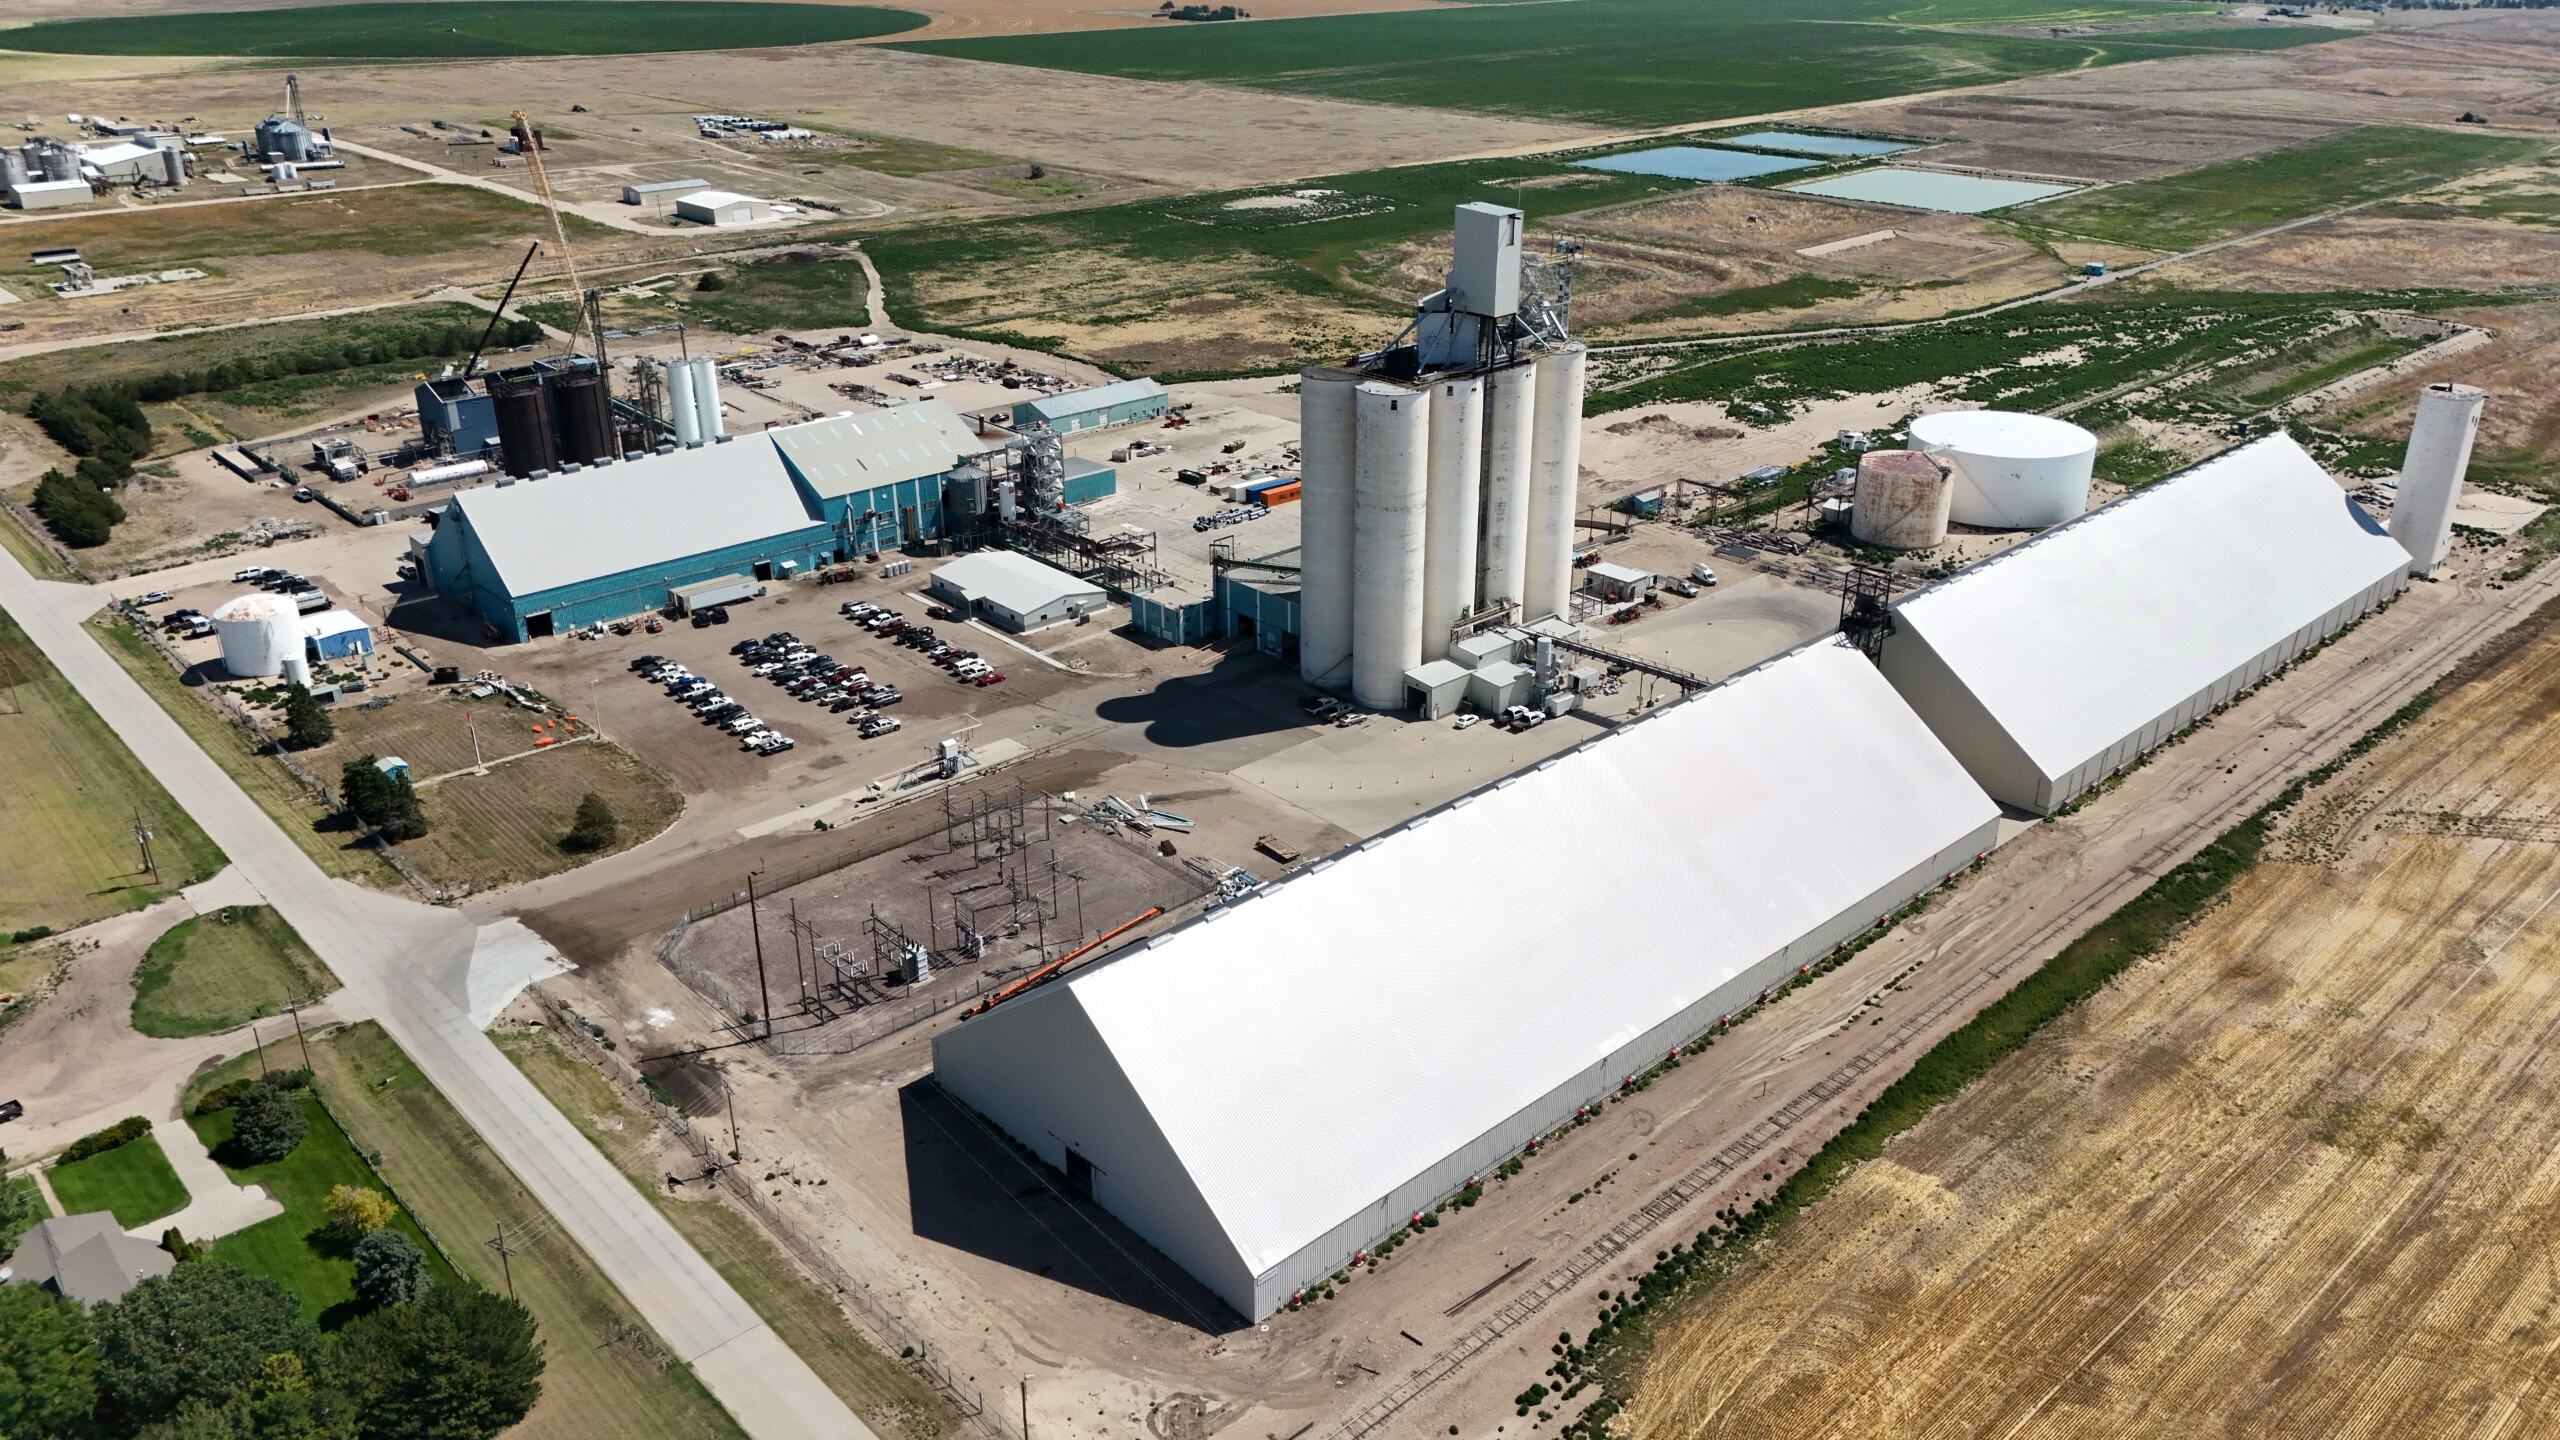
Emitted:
<point x="583" y="414"/>
<point x="525" y="441"/>
<point x="1902" y="500"/>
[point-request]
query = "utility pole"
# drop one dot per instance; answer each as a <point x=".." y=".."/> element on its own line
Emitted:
<point x="731" y="1096"/>
<point x="294" y="1009"/>
<point x="260" y="1041"/>
<point x="1026" y="1407"/>
<point x="506" y="1257"/>
<point x="142" y="841"/>
<point x="764" y="996"/>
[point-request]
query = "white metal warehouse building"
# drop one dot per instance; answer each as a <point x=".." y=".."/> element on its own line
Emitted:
<point x="2052" y="666"/>
<point x="1266" y="1090"/>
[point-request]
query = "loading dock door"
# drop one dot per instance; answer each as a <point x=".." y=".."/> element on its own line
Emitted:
<point x="1079" y="1174"/>
<point x="537" y="626"/>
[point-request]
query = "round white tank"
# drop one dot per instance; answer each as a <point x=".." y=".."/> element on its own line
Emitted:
<point x="706" y="398"/>
<point x="2011" y="471"/>
<point x="1902" y="500"/>
<point x="1449" y="548"/>
<point x="258" y="634"/>
<point x="1325" y="482"/>
<point x="297" y="671"/>
<point x="1388" y="502"/>
<point x="681" y="412"/>
<point x="1510" y="409"/>
<point x="1555" y="479"/>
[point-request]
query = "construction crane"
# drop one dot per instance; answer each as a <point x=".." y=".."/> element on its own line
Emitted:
<point x="529" y="145"/>
<point x="500" y="313"/>
<point x="1049" y="972"/>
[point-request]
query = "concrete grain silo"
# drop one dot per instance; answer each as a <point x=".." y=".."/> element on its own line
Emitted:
<point x="1511" y="412"/>
<point x="1326" y="470"/>
<point x="1555" y="474"/>
<point x="2431" y="474"/>
<point x="1449" y="549"/>
<point x="1901" y="502"/>
<point x="1388" y="502"/>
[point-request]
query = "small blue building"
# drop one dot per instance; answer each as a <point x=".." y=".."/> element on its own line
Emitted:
<point x="1124" y="403"/>
<point x="1175" y="616"/>
<point x="1090" y="480"/>
<point x="336" y="635"/>
<point x="453" y="414"/>
<point x="1261" y="605"/>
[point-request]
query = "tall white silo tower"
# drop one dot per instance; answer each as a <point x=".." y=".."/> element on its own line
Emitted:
<point x="1394" y="449"/>
<point x="1555" y="472"/>
<point x="1449" y="532"/>
<point x="2431" y="474"/>
<point x="1326" y="473"/>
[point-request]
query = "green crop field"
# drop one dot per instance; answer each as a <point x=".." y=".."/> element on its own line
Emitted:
<point x="462" y="30"/>
<point x="1628" y="62"/>
<point x="393" y="220"/>
<point x="68" y="805"/>
<point x="134" y="1182"/>
<point x="2195" y="206"/>
<point x="220" y="971"/>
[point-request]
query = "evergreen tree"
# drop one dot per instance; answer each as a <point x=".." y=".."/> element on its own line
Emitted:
<point x="595" y="827"/>
<point x="306" y="720"/>
<point x="389" y="1270"/>
<point x="461" y="1364"/>
<point x="266" y="1123"/>
<point x="200" y="1332"/>
<point x="48" y="1363"/>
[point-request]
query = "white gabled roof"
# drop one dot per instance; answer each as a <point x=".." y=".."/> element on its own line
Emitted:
<point x="565" y="529"/>
<point x="2081" y="636"/>
<point x="843" y="454"/>
<point x="1311" y="1049"/>
<point x="1016" y="582"/>
<point x="1076" y="402"/>
<point x="713" y="199"/>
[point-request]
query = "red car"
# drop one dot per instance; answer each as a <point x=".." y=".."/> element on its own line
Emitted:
<point x="992" y="677"/>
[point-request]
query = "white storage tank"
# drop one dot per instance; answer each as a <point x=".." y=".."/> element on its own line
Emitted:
<point x="1388" y="501"/>
<point x="1326" y="471"/>
<point x="681" y="412"/>
<point x="1555" y="478"/>
<point x="1902" y="500"/>
<point x="258" y="634"/>
<point x="706" y="399"/>
<point x="2011" y="471"/>
<point x="1449" y="550"/>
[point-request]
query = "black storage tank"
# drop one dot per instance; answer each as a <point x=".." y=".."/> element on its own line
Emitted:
<point x="524" y="423"/>
<point x="579" y="407"/>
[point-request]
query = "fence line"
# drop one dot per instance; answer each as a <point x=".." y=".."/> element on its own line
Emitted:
<point x="893" y="1335"/>
<point x="267" y="745"/>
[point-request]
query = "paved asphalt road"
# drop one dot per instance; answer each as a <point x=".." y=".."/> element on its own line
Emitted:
<point x="407" y="965"/>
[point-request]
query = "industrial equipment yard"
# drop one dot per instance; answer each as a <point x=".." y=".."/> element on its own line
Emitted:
<point x="1367" y="719"/>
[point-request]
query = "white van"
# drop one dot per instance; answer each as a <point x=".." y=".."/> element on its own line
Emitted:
<point x="1703" y="574"/>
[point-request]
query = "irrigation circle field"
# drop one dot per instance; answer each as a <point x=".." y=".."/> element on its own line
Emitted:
<point x="463" y="30"/>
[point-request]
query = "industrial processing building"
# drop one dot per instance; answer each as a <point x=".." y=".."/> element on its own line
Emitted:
<point x="1269" y="1089"/>
<point x="1125" y="402"/>
<point x="2061" y="661"/>
<point x="1439" y="474"/>
<point x="1015" y="591"/>
<point x="599" y="542"/>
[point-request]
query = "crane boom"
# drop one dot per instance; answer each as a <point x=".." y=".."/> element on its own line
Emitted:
<point x="1050" y="971"/>
<point x="529" y="144"/>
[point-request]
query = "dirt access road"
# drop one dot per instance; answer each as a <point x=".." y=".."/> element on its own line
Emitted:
<point x="2298" y="1175"/>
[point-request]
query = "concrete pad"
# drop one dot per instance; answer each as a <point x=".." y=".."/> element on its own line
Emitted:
<point x="215" y="1206"/>
<point x="225" y="889"/>
<point x="505" y="958"/>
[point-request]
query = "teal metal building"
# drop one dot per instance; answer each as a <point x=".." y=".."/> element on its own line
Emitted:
<point x="538" y="557"/>
<point x="1125" y="403"/>
<point x="1174" y="616"/>
<point x="1090" y="480"/>
<point x="1260" y="605"/>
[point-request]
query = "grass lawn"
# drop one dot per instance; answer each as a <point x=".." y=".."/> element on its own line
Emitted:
<point x="133" y="1181"/>
<point x="67" y="806"/>
<point x="883" y="1392"/>
<point x="1627" y="62"/>
<point x="2194" y="206"/>
<point x="220" y="971"/>
<point x="607" y="1377"/>
<point x="453" y="31"/>
<point x="297" y="1249"/>
<point x="404" y="220"/>
<point x="265" y="781"/>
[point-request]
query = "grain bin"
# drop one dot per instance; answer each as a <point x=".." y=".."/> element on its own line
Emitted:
<point x="1388" y="503"/>
<point x="2011" y="471"/>
<point x="258" y="634"/>
<point x="1901" y="501"/>
<point x="525" y="442"/>
<point x="584" y="415"/>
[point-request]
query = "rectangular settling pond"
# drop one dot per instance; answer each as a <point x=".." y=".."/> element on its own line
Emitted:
<point x="1694" y="162"/>
<point x="1795" y="142"/>
<point x="1930" y="190"/>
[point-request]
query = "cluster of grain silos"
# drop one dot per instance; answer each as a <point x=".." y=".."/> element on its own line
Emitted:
<point x="693" y="401"/>
<point x="1437" y="478"/>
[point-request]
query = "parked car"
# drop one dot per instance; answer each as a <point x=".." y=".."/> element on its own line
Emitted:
<point x="774" y="744"/>
<point x="876" y="725"/>
<point x="740" y="725"/>
<point x="842" y="703"/>
<point x="153" y="597"/>
<point x="989" y="677"/>
<point x="11" y="1110"/>
<point x="1467" y="722"/>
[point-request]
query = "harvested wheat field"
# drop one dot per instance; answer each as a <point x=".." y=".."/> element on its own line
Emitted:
<point x="2297" y="1175"/>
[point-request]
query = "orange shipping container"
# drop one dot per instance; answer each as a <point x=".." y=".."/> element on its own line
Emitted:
<point x="1278" y="495"/>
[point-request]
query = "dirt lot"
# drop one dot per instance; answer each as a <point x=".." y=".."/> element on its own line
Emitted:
<point x="2345" y="1063"/>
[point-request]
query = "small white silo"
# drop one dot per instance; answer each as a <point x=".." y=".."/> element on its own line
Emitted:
<point x="1388" y="503"/>
<point x="706" y="399"/>
<point x="681" y="412"/>
<point x="258" y="634"/>
<point x="1902" y="500"/>
<point x="2431" y="474"/>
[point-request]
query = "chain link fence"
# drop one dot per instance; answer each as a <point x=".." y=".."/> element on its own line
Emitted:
<point x="892" y="1334"/>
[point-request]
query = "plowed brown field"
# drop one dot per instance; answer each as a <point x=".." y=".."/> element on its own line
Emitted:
<point x="2299" y="1175"/>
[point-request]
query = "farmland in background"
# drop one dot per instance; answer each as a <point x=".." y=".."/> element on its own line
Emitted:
<point x="463" y="30"/>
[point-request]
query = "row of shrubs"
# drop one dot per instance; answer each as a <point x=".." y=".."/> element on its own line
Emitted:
<point x="123" y="1132"/>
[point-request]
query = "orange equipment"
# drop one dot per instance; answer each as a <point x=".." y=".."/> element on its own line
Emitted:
<point x="1049" y="972"/>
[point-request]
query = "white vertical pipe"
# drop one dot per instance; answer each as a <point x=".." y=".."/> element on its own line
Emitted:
<point x="680" y="411"/>
<point x="1504" y="561"/>
<point x="706" y="398"/>
<point x="1388" y="503"/>
<point x="2431" y="475"/>
<point x="1449" y="548"/>
<point x="1326" y="479"/>
<point x="1555" y="475"/>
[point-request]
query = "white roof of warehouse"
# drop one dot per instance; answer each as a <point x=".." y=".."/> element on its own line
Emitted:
<point x="334" y="622"/>
<point x="118" y="154"/>
<point x="1016" y="582"/>
<point x="845" y="453"/>
<point x="1623" y="574"/>
<point x="2082" y="635"/>
<point x="711" y="198"/>
<point x="543" y="534"/>
<point x="1076" y="402"/>
<point x="1308" y="1050"/>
